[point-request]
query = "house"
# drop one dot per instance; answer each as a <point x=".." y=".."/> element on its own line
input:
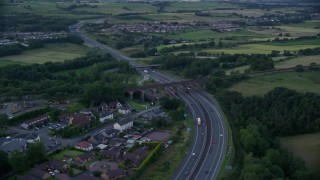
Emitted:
<point x="124" y="110"/>
<point x="87" y="112"/>
<point x="28" y="137"/>
<point x="110" y="133"/>
<point x="104" y="107"/>
<point x="105" y="115"/>
<point x="137" y="156"/>
<point x="79" y="120"/>
<point x="64" y="117"/>
<point x="57" y="165"/>
<point x="112" y="153"/>
<point x="115" y="105"/>
<point x="98" y="139"/>
<point x="82" y="158"/>
<point x="36" y="121"/>
<point x="102" y="146"/>
<point x="84" y="145"/>
<point x="116" y="174"/>
<point x="123" y="124"/>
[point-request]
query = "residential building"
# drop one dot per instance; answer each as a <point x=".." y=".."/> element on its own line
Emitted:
<point x="115" y="105"/>
<point x="79" y="120"/>
<point x="105" y="115"/>
<point x="84" y="145"/>
<point x="113" y="153"/>
<point x="123" y="124"/>
<point x="124" y="110"/>
<point x="82" y="158"/>
<point x="110" y="133"/>
<point x="28" y="137"/>
<point x="36" y="121"/>
<point x="57" y="165"/>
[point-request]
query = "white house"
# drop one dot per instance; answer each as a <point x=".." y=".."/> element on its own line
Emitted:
<point x="124" y="110"/>
<point x="105" y="115"/>
<point x="84" y="145"/>
<point x="123" y="124"/>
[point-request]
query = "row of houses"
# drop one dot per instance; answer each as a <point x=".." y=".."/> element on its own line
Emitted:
<point x="34" y="35"/>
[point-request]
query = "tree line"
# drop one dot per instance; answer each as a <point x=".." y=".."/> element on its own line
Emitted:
<point x="258" y="121"/>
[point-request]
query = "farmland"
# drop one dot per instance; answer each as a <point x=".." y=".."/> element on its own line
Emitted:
<point x="51" y="52"/>
<point x="307" y="147"/>
<point x="282" y="62"/>
<point x="259" y="48"/>
<point x="300" y="81"/>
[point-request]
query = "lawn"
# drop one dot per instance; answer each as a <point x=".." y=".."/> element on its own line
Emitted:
<point x="72" y="153"/>
<point x="307" y="147"/>
<point x="50" y="53"/>
<point x="139" y="105"/>
<point x="259" y="48"/>
<point x="300" y="81"/>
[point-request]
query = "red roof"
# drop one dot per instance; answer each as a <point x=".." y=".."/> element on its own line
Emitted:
<point x="83" y="144"/>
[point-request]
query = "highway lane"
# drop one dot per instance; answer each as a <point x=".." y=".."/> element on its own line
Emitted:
<point x="211" y="156"/>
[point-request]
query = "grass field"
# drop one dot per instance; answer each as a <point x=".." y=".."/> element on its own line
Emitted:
<point x="139" y="105"/>
<point x="72" y="153"/>
<point x="307" y="147"/>
<point x="300" y="81"/>
<point x="302" y="60"/>
<point x="7" y="62"/>
<point x="308" y="28"/>
<point x="196" y="6"/>
<point x="51" y="52"/>
<point x="259" y="48"/>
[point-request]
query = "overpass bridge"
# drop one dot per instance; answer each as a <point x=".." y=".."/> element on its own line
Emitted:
<point x="186" y="85"/>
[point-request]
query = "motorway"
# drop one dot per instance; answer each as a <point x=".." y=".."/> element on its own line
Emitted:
<point x="209" y="143"/>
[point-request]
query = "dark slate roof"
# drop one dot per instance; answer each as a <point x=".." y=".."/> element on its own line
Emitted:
<point x="56" y="164"/>
<point x="104" y="114"/>
<point x="116" y="173"/>
<point x="141" y="151"/>
<point x="26" y="136"/>
<point x="86" y="155"/>
<point x="111" y="131"/>
<point x="37" y="173"/>
<point x="125" y="121"/>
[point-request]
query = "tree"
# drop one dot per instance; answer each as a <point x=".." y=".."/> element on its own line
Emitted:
<point x="70" y="172"/>
<point x="18" y="161"/>
<point x="4" y="163"/>
<point x="36" y="153"/>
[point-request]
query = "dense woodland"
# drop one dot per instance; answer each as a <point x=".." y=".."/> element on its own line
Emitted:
<point x="26" y="22"/>
<point x="58" y="81"/>
<point x="257" y="121"/>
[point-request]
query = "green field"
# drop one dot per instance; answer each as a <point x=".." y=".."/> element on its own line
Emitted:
<point x="259" y="48"/>
<point x="72" y="153"/>
<point x="280" y="64"/>
<point x="196" y="6"/>
<point x="51" y="52"/>
<point x="307" y="147"/>
<point x="300" y="81"/>
<point x="7" y="62"/>
<point x="303" y="60"/>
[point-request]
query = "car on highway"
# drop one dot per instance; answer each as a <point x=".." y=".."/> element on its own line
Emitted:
<point x="193" y="154"/>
